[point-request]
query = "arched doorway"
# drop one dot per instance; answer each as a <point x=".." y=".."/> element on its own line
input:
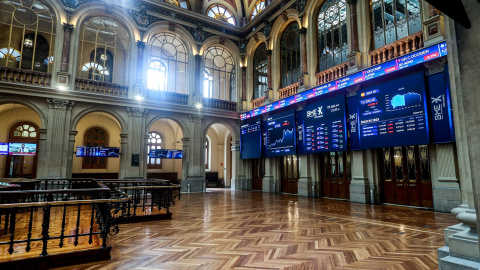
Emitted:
<point x="218" y="156"/>
<point x="23" y="145"/>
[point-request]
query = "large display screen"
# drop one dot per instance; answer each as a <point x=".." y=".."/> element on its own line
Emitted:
<point x="166" y="153"/>
<point x="251" y="140"/>
<point x="325" y="126"/>
<point x="90" y="151"/>
<point x="28" y="149"/>
<point x="3" y="148"/>
<point x="393" y="113"/>
<point x="406" y="61"/>
<point x="280" y="131"/>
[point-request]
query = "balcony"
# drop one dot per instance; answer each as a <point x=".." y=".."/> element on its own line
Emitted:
<point x="219" y="104"/>
<point x="104" y="88"/>
<point x="165" y="96"/>
<point x="332" y="73"/>
<point x="258" y="102"/>
<point x="288" y="90"/>
<point x="15" y="75"/>
<point x="397" y="48"/>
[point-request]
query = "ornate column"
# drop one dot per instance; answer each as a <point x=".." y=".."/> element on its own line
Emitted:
<point x="269" y="74"/>
<point x="362" y="188"/>
<point x="303" y="59"/>
<point x="71" y="148"/>
<point x="136" y="140"/>
<point x="354" y="55"/>
<point x="186" y="147"/>
<point x="57" y="141"/>
<point x="306" y="186"/>
<point x="195" y="180"/>
<point x="244" y="83"/>
<point x="63" y="76"/>
<point x="433" y="26"/>
<point x="42" y="152"/>
<point x="239" y="179"/>
<point x="67" y="36"/>
<point x="123" y="155"/>
<point x="197" y="93"/>
<point x="141" y="49"/>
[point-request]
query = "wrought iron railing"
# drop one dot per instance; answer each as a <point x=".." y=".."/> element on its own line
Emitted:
<point x="98" y="87"/>
<point x="219" y="104"/>
<point x="25" y="76"/>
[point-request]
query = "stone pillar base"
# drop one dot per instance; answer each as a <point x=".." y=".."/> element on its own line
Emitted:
<point x="305" y="187"/>
<point x="242" y="183"/>
<point x="456" y="263"/>
<point x="354" y="62"/>
<point x="270" y="185"/>
<point x="193" y="184"/>
<point x="361" y="192"/>
<point x="445" y="198"/>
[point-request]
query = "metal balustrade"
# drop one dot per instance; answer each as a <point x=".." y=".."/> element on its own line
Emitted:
<point x="219" y="104"/>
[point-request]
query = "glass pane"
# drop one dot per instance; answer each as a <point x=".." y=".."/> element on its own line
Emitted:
<point x="398" y="158"/>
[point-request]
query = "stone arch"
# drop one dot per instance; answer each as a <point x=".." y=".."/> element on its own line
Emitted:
<point x="29" y="104"/>
<point x="164" y="26"/>
<point x="180" y="122"/>
<point x="231" y="126"/>
<point x="121" y="121"/>
<point x="251" y="49"/>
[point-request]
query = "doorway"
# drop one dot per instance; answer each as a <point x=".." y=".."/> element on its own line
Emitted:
<point x="337" y="174"/>
<point x="20" y="165"/>
<point x="405" y="175"/>
<point x="290" y="174"/>
<point x="258" y="166"/>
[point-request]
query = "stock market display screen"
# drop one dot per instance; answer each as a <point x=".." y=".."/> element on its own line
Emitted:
<point x="325" y="126"/>
<point x="251" y="140"/>
<point x="393" y="113"/>
<point x="280" y="132"/>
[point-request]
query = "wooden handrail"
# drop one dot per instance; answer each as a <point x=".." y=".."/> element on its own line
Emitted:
<point x="99" y="87"/>
<point x="258" y="102"/>
<point x="30" y="77"/>
<point x="397" y="48"/>
<point x="332" y="73"/>
<point x="288" y="90"/>
<point x="219" y="104"/>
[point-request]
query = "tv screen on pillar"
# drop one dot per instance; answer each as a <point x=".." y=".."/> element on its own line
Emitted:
<point x="251" y="140"/>
<point x="22" y="149"/>
<point x="280" y="131"/>
<point x="88" y="151"/>
<point x="393" y="113"/>
<point x="325" y="126"/>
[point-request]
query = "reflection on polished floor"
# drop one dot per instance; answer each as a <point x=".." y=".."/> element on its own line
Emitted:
<point x="224" y="229"/>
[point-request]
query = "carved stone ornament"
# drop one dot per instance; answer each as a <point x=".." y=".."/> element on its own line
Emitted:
<point x="139" y="112"/>
<point x="301" y="5"/>
<point x="267" y="29"/>
<point x="199" y="35"/>
<point x="56" y="103"/>
<point x="196" y="118"/>
<point x="142" y="18"/>
<point x="435" y="66"/>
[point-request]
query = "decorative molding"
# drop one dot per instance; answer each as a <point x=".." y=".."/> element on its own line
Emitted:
<point x="284" y="16"/>
<point x="138" y="112"/>
<point x="196" y="118"/>
<point x="56" y="103"/>
<point x="435" y="66"/>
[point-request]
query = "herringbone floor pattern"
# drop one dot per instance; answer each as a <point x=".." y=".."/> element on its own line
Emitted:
<point x="225" y="229"/>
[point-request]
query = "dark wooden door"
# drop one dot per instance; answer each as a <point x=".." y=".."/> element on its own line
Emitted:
<point x="290" y="174"/>
<point x="257" y="173"/>
<point x="337" y="175"/>
<point x="406" y="176"/>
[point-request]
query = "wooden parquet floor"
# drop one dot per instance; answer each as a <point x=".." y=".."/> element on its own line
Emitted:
<point x="224" y="229"/>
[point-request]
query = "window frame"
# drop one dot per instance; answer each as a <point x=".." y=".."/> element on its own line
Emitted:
<point x="95" y="162"/>
<point x="157" y="166"/>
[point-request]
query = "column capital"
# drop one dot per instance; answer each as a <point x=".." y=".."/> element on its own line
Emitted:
<point x="244" y="69"/>
<point x="141" y="44"/>
<point x="138" y="112"/>
<point x="269" y="52"/>
<point x="56" y="103"/>
<point x="196" y="118"/>
<point x="68" y="27"/>
<point x="303" y="31"/>
<point x="198" y="57"/>
<point x="351" y="2"/>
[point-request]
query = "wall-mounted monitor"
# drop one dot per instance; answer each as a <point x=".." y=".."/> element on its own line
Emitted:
<point x="3" y="148"/>
<point x="251" y="140"/>
<point x="325" y="127"/>
<point x="280" y="132"/>
<point x="26" y="149"/>
<point x="166" y="153"/>
<point x="91" y="151"/>
<point x="393" y="113"/>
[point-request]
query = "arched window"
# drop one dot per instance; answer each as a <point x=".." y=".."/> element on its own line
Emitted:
<point x="155" y="141"/>
<point x="393" y="20"/>
<point x="259" y="6"/>
<point x="168" y="63"/>
<point x="95" y="137"/>
<point x="332" y="34"/>
<point x="24" y="131"/>
<point x="219" y="74"/>
<point x="179" y="3"/>
<point x="260" y="71"/>
<point x="28" y="35"/>
<point x="24" y="135"/>
<point x="222" y="13"/>
<point x="290" y="54"/>
<point x="104" y="46"/>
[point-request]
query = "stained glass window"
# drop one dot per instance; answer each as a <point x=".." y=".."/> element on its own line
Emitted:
<point x="290" y="55"/>
<point x="259" y="6"/>
<point x="219" y="74"/>
<point x="260" y="71"/>
<point x="220" y="12"/>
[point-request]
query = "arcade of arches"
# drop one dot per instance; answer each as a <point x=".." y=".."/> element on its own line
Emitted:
<point x="150" y="75"/>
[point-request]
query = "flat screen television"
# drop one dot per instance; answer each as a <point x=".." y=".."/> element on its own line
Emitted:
<point x="22" y="149"/>
<point x="325" y="126"/>
<point x="251" y="140"/>
<point x="91" y="151"/>
<point x="280" y="132"/>
<point x="3" y="148"/>
<point x="166" y="153"/>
